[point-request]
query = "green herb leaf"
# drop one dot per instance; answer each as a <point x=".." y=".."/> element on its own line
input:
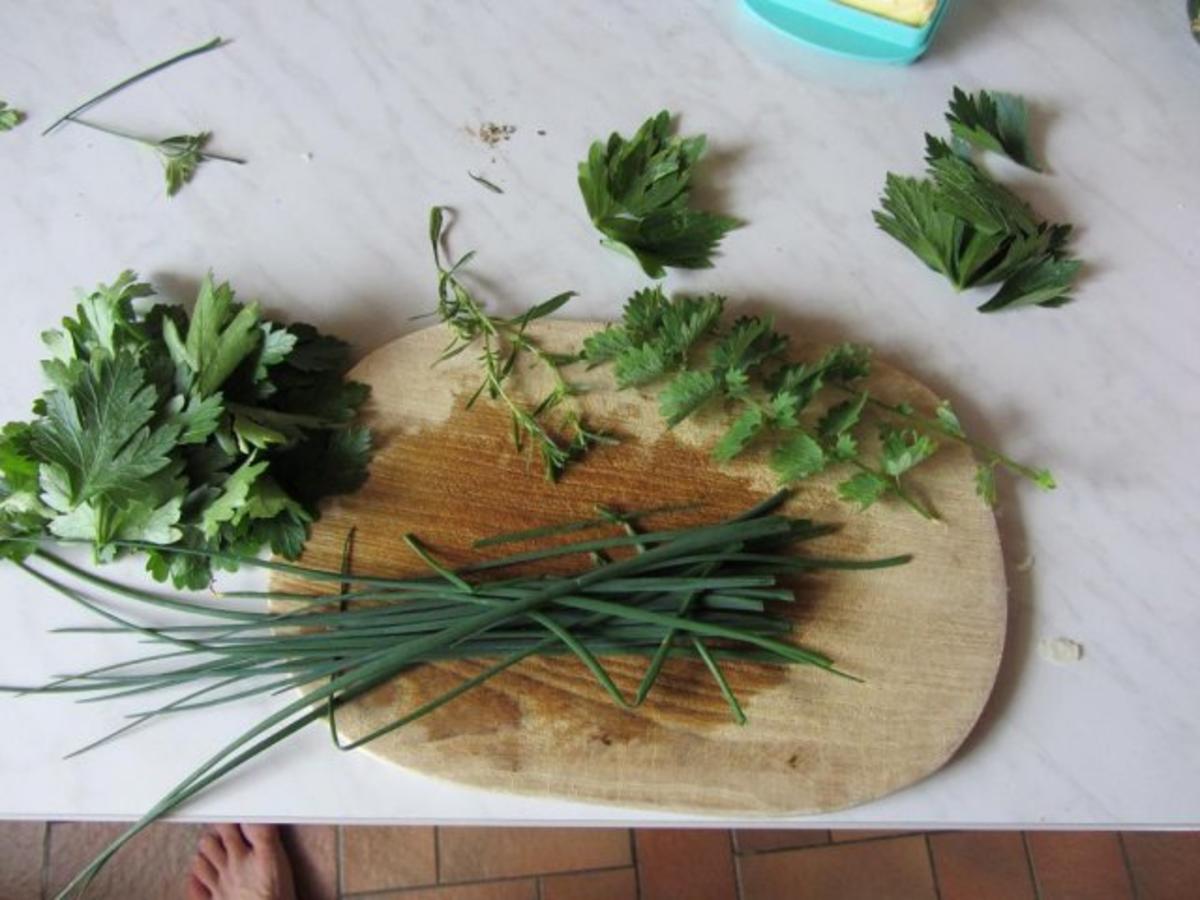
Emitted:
<point x="985" y="482"/>
<point x="904" y="448"/>
<point x="841" y="418"/>
<point x="637" y="193"/>
<point x="962" y="223"/>
<point x="744" y="429"/>
<point x="994" y="121"/>
<point x="864" y="489"/>
<point x="799" y="456"/>
<point x="10" y="118"/>
<point x="949" y="419"/>
<point x="686" y="393"/>
<point x="1046" y="282"/>
<point x="221" y="335"/>
<point x="180" y="157"/>
<point x="98" y="433"/>
<point x="912" y="216"/>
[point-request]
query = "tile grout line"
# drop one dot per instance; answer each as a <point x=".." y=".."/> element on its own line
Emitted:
<point x="937" y="888"/>
<point x="489" y="880"/>
<point x="1033" y="879"/>
<point x="737" y="866"/>
<point x="633" y="858"/>
<point x="1133" y="884"/>
<point x="45" y="886"/>
<point x="337" y="860"/>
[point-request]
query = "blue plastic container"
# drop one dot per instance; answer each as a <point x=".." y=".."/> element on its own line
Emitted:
<point x="847" y="31"/>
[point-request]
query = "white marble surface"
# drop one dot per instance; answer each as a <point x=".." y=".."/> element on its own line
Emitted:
<point x="355" y="118"/>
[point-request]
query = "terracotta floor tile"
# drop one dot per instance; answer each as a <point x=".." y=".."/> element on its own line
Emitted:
<point x="1079" y="865"/>
<point x="875" y="870"/>
<point x="696" y="863"/>
<point x="21" y="860"/>
<point x="522" y="889"/>
<point x="153" y="864"/>
<point x="471" y="854"/>
<point x="1165" y="864"/>
<point x="313" y="852"/>
<point x="755" y="840"/>
<point x="615" y="884"/>
<point x="377" y="858"/>
<point x="981" y="865"/>
<point x="842" y="835"/>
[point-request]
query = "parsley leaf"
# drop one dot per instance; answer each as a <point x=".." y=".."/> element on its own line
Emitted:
<point x="994" y="121"/>
<point x="10" y="118"/>
<point x="864" y="489"/>
<point x="1045" y="282"/>
<point x="637" y="193"/>
<point x="800" y="456"/>
<point x="904" y="448"/>
<point x="180" y="156"/>
<point x="686" y="393"/>
<point x="98" y="433"/>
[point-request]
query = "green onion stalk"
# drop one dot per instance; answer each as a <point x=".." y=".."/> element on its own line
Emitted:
<point x="712" y="594"/>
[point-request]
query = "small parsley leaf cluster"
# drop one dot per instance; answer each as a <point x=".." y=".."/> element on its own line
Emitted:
<point x="638" y="193"/>
<point x="967" y="226"/>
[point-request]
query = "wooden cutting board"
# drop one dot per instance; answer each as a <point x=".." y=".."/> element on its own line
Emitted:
<point x="925" y="637"/>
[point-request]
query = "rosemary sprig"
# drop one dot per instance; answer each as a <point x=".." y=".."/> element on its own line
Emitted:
<point x="683" y="588"/>
<point x="502" y="343"/>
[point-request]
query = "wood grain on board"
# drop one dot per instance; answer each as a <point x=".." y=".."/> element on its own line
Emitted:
<point x="925" y="637"/>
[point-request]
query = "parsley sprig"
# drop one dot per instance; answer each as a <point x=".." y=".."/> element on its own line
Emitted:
<point x="973" y="230"/>
<point x="217" y="432"/>
<point x="503" y="343"/>
<point x="180" y="155"/>
<point x="637" y="192"/>
<point x="789" y="406"/>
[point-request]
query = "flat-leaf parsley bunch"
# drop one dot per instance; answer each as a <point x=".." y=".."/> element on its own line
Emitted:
<point x="217" y="432"/>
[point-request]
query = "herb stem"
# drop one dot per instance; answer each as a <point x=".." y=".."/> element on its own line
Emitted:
<point x="150" y="142"/>
<point x="145" y="73"/>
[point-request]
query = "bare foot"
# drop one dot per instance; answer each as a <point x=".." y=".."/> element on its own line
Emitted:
<point x="241" y="862"/>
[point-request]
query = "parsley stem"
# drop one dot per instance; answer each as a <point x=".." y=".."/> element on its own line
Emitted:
<point x="150" y="142"/>
<point x="145" y="73"/>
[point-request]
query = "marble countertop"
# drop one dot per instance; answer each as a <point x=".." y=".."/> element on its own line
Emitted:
<point x="356" y="117"/>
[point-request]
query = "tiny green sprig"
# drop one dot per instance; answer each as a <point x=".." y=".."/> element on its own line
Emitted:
<point x="502" y="343"/>
<point x="787" y="405"/>
<point x="10" y="118"/>
<point x="180" y="155"/>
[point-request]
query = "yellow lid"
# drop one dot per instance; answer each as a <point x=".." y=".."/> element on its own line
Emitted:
<point x="910" y="12"/>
